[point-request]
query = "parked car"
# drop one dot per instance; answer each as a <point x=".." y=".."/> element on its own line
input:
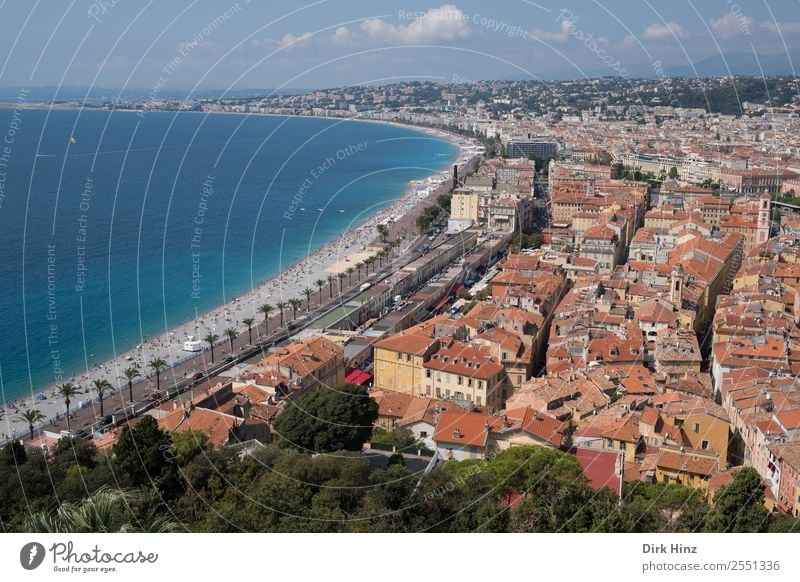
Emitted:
<point x="197" y="376"/>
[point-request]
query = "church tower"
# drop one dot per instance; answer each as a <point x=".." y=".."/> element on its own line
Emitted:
<point x="676" y="285"/>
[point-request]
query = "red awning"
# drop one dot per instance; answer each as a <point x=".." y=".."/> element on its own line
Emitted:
<point x="357" y="377"/>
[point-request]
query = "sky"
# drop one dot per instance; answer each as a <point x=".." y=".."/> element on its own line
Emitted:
<point x="189" y="45"/>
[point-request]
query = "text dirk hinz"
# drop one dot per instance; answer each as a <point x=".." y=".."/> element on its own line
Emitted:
<point x="671" y="549"/>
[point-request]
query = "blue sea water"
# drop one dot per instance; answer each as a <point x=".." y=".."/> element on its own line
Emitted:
<point x="115" y="227"/>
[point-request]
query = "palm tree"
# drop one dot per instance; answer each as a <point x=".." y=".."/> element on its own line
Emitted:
<point x="266" y="309"/>
<point x="340" y="276"/>
<point x="383" y="230"/>
<point x="331" y="279"/>
<point x="101" y="386"/>
<point x="308" y="293"/>
<point x="67" y="390"/>
<point x="281" y="306"/>
<point x="129" y="374"/>
<point x="211" y="338"/>
<point x="249" y="321"/>
<point x="231" y="333"/>
<point x="294" y="304"/>
<point x="157" y="365"/>
<point x="320" y="284"/>
<point x="105" y="511"/>
<point x="31" y="416"/>
<point x="380" y="254"/>
<point x="349" y="272"/>
<point x="371" y="263"/>
<point x="358" y="270"/>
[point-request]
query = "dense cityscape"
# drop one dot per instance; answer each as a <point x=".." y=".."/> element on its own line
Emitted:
<point x="590" y="324"/>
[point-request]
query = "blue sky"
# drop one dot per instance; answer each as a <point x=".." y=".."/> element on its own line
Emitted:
<point x="269" y="44"/>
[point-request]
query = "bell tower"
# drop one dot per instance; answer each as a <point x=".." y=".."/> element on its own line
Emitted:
<point x="676" y="285"/>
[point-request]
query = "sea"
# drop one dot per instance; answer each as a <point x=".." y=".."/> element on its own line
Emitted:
<point x="117" y="226"/>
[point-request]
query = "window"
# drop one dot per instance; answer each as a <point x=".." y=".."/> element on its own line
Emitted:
<point x="478" y="401"/>
<point x="428" y="373"/>
<point x="704" y="445"/>
<point x="696" y="427"/>
<point x="408" y="357"/>
<point x="460" y="380"/>
<point x="399" y="356"/>
<point x="438" y="392"/>
<point x="519" y="379"/>
<point x="423" y="434"/>
<point x="447" y="393"/>
<point x="469" y="382"/>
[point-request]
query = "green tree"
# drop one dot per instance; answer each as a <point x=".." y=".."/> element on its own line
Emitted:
<point x="328" y="419"/>
<point x="739" y="505"/>
<point x="210" y="339"/>
<point x="67" y="391"/>
<point x="295" y="304"/>
<point x="231" y="335"/>
<point x="144" y="455"/>
<point x="308" y="292"/>
<point x="188" y="444"/>
<point x="281" y="305"/>
<point x="101" y="386"/>
<point x="129" y="375"/>
<point x="383" y="231"/>
<point x="331" y="279"/>
<point x="266" y="309"/>
<point x="105" y="511"/>
<point x="673" y="173"/>
<point x="158" y="365"/>
<point x="249" y="321"/>
<point x="32" y="416"/>
<point x="320" y="284"/>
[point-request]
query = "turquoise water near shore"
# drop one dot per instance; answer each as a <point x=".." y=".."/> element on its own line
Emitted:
<point x="115" y="227"/>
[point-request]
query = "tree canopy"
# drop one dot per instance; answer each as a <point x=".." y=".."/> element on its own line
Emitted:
<point x="328" y="419"/>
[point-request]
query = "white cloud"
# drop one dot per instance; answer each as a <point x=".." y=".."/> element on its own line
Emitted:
<point x="732" y="25"/>
<point x="445" y="23"/>
<point x="292" y="40"/>
<point x="783" y="27"/>
<point x="658" y="31"/>
<point x="558" y="37"/>
<point x="341" y="36"/>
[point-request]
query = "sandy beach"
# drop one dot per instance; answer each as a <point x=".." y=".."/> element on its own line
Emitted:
<point x="347" y="250"/>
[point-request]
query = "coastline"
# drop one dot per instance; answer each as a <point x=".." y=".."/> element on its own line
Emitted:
<point x="287" y="284"/>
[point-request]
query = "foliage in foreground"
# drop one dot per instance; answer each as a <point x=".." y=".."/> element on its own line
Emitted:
<point x="280" y="489"/>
